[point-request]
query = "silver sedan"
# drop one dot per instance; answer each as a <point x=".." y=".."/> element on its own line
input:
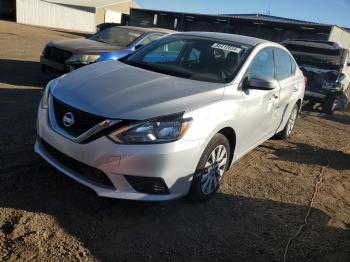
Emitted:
<point x="170" y="119"/>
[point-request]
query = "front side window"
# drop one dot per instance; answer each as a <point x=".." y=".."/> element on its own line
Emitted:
<point x="197" y="58"/>
<point x="118" y="36"/>
<point x="262" y="65"/>
<point x="283" y="64"/>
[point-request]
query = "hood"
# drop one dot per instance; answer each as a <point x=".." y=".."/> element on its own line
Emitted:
<point x="115" y="90"/>
<point x="85" y="46"/>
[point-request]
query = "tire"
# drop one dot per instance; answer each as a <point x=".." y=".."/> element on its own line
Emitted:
<point x="206" y="180"/>
<point x="287" y="131"/>
<point x="329" y="105"/>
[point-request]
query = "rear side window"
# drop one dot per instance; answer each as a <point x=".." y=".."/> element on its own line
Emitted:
<point x="262" y="65"/>
<point x="283" y="64"/>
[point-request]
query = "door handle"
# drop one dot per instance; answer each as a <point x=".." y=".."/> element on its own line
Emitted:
<point x="273" y="97"/>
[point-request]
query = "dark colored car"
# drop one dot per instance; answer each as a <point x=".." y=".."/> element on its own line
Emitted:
<point x="327" y="69"/>
<point x="63" y="56"/>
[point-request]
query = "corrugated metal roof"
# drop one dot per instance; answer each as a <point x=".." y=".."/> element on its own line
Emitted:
<point x="270" y="18"/>
<point x="87" y="3"/>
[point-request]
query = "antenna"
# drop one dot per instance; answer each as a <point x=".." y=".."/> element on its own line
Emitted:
<point x="269" y="8"/>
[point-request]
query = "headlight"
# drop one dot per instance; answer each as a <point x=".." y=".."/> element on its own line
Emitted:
<point x="48" y="90"/>
<point x="160" y="130"/>
<point x="82" y="59"/>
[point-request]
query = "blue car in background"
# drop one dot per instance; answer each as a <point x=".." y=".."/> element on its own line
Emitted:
<point x="63" y="56"/>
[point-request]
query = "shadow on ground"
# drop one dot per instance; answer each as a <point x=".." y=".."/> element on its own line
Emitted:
<point x="226" y="228"/>
<point x="21" y="73"/>
<point x="337" y="116"/>
<point x="301" y="153"/>
<point x="340" y="118"/>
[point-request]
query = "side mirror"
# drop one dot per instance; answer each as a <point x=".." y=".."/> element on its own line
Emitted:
<point x="138" y="46"/>
<point x="261" y="83"/>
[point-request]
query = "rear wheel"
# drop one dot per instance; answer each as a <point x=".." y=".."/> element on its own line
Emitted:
<point x="287" y="131"/>
<point x="211" y="168"/>
<point x="329" y="105"/>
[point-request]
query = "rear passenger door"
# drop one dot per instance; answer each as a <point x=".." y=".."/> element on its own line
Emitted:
<point x="289" y="85"/>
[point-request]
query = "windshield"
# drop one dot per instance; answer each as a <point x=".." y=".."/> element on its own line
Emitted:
<point x="117" y="36"/>
<point x="319" y="57"/>
<point x="198" y="58"/>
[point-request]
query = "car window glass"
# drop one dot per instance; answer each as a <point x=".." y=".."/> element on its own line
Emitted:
<point x="116" y="36"/>
<point x="165" y="53"/>
<point x="192" y="57"/>
<point x="293" y="65"/>
<point x="150" y="38"/>
<point x="283" y="64"/>
<point x="262" y="65"/>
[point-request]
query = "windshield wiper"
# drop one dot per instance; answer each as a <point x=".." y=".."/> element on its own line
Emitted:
<point x="101" y="41"/>
<point x="158" y="70"/>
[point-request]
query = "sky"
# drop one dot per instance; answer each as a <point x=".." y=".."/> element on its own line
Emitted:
<point x="321" y="11"/>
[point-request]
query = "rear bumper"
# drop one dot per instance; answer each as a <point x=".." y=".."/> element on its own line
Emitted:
<point x="342" y="97"/>
<point x="314" y="95"/>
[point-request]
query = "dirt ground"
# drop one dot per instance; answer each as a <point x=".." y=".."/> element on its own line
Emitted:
<point x="264" y="198"/>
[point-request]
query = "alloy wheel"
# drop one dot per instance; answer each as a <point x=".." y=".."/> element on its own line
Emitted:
<point x="214" y="169"/>
<point x="291" y="121"/>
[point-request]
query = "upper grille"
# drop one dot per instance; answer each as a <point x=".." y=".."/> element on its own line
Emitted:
<point x="83" y="120"/>
<point x="58" y="55"/>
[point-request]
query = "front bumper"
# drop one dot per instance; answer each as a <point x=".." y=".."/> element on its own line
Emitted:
<point x="174" y="163"/>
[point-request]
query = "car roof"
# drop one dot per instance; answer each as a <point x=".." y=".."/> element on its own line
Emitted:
<point x="147" y="29"/>
<point x="228" y="37"/>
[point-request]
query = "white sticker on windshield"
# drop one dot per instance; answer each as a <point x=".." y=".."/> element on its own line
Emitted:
<point x="227" y="47"/>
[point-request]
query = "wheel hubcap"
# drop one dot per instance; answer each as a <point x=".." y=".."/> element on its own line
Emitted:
<point x="214" y="169"/>
<point x="291" y="121"/>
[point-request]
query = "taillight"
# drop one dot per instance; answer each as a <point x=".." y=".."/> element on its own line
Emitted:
<point x="305" y="81"/>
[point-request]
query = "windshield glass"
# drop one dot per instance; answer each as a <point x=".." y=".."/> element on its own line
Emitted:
<point x="198" y="58"/>
<point x="318" y="57"/>
<point x="117" y="36"/>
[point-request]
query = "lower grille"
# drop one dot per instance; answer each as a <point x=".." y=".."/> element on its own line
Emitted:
<point x="148" y="185"/>
<point x="85" y="171"/>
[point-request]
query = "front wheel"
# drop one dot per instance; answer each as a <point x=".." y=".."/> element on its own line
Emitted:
<point x="211" y="168"/>
<point x="287" y="131"/>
